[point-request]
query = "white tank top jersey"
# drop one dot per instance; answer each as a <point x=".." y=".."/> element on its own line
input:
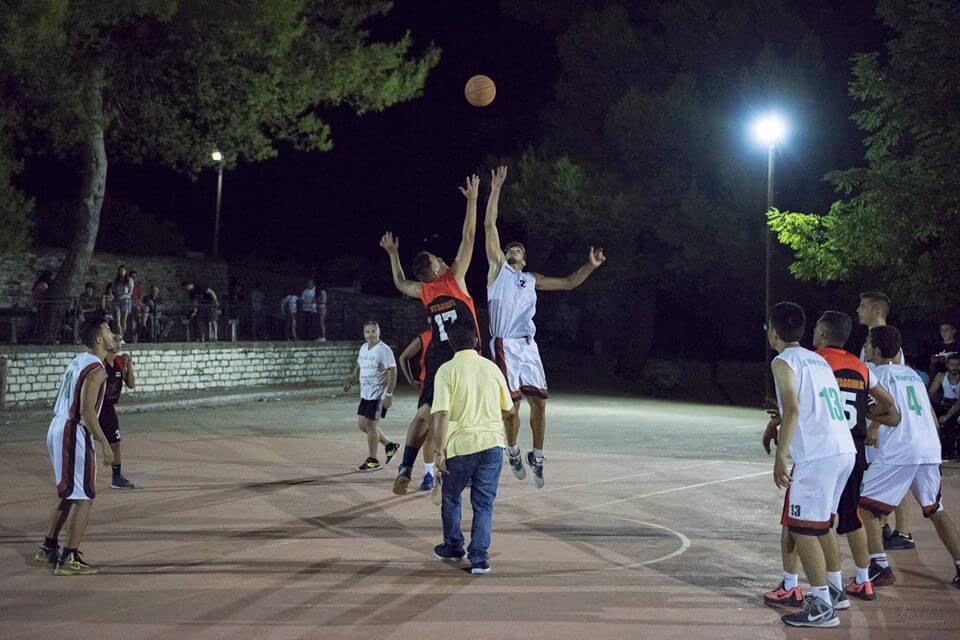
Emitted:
<point x="915" y="439"/>
<point x="822" y="428"/>
<point x="900" y="359"/>
<point x="512" y="303"/>
<point x="950" y="391"/>
<point x="67" y="406"/>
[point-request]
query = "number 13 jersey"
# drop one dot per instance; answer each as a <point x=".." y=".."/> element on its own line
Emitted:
<point x="822" y="428"/>
<point x="446" y="304"/>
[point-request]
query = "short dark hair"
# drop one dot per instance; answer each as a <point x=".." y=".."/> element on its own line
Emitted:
<point x="953" y="355"/>
<point x="90" y="330"/>
<point x="948" y="322"/>
<point x="878" y="297"/>
<point x="887" y="339"/>
<point x="462" y="335"/>
<point x="511" y="245"/>
<point x="788" y="320"/>
<point x="371" y="322"/>
<point x="837" y="325"/>
<point x="421" y="266"/>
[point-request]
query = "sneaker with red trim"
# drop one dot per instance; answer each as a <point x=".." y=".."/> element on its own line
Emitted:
<point x="863" y="591"/>
<point x="780" y="597"/>
<point x="881" y="577"/>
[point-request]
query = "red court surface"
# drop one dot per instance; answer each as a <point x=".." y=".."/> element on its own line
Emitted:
<point x="658" y="520"/>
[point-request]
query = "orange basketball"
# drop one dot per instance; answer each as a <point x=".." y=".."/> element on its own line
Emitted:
<point x="480" y="91"/>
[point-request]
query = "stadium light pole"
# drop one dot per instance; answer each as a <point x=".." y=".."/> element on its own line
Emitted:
<point x="769" y="130"/>
<point x="218" y="158"/>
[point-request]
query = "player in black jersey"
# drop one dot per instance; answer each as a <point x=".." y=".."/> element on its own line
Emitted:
<point x="119" y="372"/>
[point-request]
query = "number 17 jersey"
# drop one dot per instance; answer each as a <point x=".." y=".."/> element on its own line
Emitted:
<point x="446" y="304"/>
<point x="822" y="428"/>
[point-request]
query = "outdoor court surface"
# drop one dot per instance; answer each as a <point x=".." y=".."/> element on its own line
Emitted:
<point x="658" y="520"/>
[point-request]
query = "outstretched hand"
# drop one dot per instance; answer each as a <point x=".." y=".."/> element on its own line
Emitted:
<point x="596" y="256"/>
<point x="389" y="244"/>
<point x="472" y="189"/>
<point x="497" y="177"/>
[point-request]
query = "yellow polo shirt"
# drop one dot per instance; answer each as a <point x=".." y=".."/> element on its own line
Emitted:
<point x="474" y="391"/>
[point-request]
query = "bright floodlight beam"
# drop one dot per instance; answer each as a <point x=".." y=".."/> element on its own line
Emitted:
<point x="216" y="155"/>
<point x="770" y="129"/>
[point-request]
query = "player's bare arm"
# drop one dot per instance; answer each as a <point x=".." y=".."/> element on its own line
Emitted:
<point x="884" y="410"/>
<point x="786" y="383"/>
<point x="945" y="418"/>
<point x="391" y="245"/>
<point x="595" y="258"/>
<point x="441" y="419"/>
<point x="352" y="379"/>
<point x="461" y="264"/>
<point x="404" y="361"/>
<point x="89" y="394"/>
<point x="129" y="378"/>
<point x="391" y="385"/>
<point x="936" y="383"/>
<point x="495" y="256"/>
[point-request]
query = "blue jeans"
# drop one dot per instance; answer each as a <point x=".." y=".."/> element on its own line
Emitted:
<point x="482" y="470"/>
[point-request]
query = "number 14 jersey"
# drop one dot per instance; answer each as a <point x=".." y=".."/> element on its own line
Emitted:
<point x="915" y="439"/>
<point x="822" y="428"/>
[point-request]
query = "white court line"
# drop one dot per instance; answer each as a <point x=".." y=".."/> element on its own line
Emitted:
<point x="684" y="545"/>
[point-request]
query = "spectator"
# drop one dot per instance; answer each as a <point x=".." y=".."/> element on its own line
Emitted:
<point x="153" y="314"/>
<point x="321" y="300"/>
<point x="308" y="301"/>
<point x="288" y="307"/>
<point x="122" y="300"/>
<point x="41" y="286"/>
<point x="257" y="300"/>
<point x="204" y="311"/>
<point x="947" y="345"/>
<point x="136" y="297"/>
<point x="945" y="397"/>
<point x="106" y="305"/>
<point x="89" y="301"/>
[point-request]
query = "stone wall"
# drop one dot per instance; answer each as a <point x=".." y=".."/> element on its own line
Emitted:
<point x="33" y="373"/>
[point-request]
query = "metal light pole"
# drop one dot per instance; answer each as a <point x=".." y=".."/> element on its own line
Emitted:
<point x="218" y="158"/>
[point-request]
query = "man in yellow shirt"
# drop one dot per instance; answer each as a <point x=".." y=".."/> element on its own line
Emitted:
<point x="470" y="399"/>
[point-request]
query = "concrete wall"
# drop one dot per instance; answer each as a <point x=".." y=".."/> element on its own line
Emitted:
<point x="33" y="373"/>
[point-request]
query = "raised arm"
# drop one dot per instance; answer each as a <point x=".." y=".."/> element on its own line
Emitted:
<point x="129" y="378"/>
<point x="575" y="279"/>
<point x="492" y="244"/>
<point x="786" y="383"/>
<point x="935" y="384"/>
<point x="465" y="252"/>
<point x="392" y="246"/>
<point x="404" y="360"/>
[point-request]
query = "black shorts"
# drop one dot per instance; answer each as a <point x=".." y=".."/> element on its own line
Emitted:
<point x="110" y="423"/>
<point x="426" y="391"/>
<point x="848" y="515"/>
<point x="372" y="409"/>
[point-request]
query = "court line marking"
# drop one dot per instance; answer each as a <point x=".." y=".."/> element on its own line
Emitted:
<point x="684" y="545"/>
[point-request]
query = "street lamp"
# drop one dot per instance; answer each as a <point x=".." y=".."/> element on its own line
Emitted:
<point x="769" y="130"/>
<point x="218" y="158"/>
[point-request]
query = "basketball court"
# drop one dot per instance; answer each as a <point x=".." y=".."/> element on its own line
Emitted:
<point x="658" y="520"/>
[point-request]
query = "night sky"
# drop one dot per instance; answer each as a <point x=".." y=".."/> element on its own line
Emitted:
<point x="400" y="169"/>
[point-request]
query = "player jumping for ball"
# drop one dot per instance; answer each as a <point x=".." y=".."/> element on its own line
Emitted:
<point x="512" y="302"/>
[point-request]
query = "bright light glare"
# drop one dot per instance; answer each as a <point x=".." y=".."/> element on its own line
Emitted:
<point x="217" y="156"/>
<point x="770" y="129"/>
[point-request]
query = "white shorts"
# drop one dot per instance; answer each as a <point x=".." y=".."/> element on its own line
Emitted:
<point x="885" y="485"/>
<point x="519" y="359"/>
<point x="74" y="461"/>
<point x="814" y="494"/>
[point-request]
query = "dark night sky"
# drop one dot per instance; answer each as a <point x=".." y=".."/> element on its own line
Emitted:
<point x="400" y="169"/>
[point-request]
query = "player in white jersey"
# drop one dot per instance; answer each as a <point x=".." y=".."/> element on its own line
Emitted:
<point x="814" y="429"/>
<point x="872" y="312"/>
<point x="908" y="457"/>
<point x="512" y="303"/>
<point x="74" y="427"/>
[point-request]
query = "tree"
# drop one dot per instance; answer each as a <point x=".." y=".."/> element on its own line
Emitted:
<point x="168" y="80"/>
<point x="900" y="223"/>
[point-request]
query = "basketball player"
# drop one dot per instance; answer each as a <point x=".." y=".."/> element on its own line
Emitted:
<point x="119" y="370"/>
<point x="419" y="345"/>
<point x="443" y="291"/>
<point x="814" y="430"/>
<point x="908" y="457"/>
<point x="74" y="427"/>
<point x="376" y="370"/>
<point x="947" y="404"/>
<point x="856" y="385"/>
<point x="512" y="302"/>
<point x="872" y="312"/>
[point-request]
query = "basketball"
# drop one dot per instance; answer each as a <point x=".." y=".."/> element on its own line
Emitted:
<point x="480" y="91"/>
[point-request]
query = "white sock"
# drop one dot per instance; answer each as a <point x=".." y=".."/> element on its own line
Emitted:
<point x="821" y="592"/>
<point x="881" y="559"/>
<point x="836" y="579"/>
<point x="790" y="581"/>
<point x="863" y="575"/>
<point x="538" y="453"/>
<point x="957" y="562"/>
<point x="428" y="467"/>
<point x="514" y="451"/>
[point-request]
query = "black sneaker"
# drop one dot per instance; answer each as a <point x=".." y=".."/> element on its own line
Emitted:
<point x="119" y="482"/>
<point x="370" y="464"/>
<point x="956" y="581"/>
<point x="447" y="552"/>
<point x="815" y="613"/>
<point x="47" y="557"/>
<point x="536" y="470"/>
<point x="838" y="598"/>
<point x="402" y="481"/>
<point x="391" y="449"/>
<point x="516" y="464"/>
<point x="898" y="542"/>
<point x="887" y="532"/>
<point x="479" y="568"/>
